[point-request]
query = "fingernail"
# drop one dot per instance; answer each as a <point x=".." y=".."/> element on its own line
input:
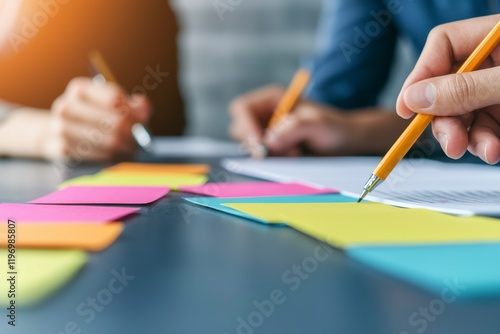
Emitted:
<point x="420" y="96"/>
<point x="482" y="149"/>
<point x="443" y="140"/>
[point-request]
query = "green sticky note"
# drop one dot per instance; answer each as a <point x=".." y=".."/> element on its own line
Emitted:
<point x="173" y="181"/>
<point x="345" y="225"/>
<point x="40" y="273"/>
<point x="220" y="204"/>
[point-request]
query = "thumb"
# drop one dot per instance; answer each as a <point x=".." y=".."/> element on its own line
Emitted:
<point x="455" y="94"/>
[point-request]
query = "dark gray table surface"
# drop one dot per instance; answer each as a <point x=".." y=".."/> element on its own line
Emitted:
<point x="200" y="271"/>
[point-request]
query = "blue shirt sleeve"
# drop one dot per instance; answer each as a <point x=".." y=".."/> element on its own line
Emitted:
<point x="357" y="40"/>
<point x="356" y="45"/>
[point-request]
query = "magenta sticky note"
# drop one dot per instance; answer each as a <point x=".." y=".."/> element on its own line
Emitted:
<point x="255" y="189"/>
<point x="104" y="195"/>
<point x="62" y="213"/>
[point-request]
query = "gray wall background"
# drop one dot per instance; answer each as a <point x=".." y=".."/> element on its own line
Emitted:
<point x="254" y="43"/>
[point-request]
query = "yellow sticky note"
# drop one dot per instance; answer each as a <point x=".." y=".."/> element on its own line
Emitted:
<point x="349" y="224"/>
<point x="40" y="273"/>
<point x="90" y="237"/>
<point x="145" y="168"/>
<point x="174" y="181"/>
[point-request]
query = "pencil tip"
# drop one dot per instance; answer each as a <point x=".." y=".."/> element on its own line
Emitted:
<point x="363" y="195"/>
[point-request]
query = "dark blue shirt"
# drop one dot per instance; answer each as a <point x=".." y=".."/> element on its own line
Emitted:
<point x="357" y="40"/>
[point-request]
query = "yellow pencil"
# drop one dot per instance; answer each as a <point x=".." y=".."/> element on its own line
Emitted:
<point x="291" y="97"/>
<point x="141" y="135"/>
<point x="285" y="106"/>
<point x="101" y="67"/>
<point x="420" y="123"/>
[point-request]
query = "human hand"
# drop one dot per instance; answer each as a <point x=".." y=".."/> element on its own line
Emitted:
<point x="311" y="127"/>
<point x="250" y="114"/>
<point x="467" y="105"/>
<point x="318" y="129"/>
<point x="92" y="122"/>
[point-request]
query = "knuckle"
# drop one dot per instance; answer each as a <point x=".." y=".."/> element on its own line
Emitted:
<point x="62" y="108"/>
<point x="308" y="113"/>
<point x="437" y="31"/>
<point x="464" y="91"/>
<point x="77" y="85"/>
<point x="57" y="105"/>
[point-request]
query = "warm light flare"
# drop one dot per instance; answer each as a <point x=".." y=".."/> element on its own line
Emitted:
<point x="8" y="14"/>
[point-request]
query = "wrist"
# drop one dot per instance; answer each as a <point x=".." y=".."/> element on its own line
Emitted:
<point x="22" y="133"/>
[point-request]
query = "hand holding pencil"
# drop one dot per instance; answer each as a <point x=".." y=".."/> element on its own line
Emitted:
<point x="286" y="123"/>
<point x="90" y="122"/>
<point x="470" y="102"/>
<point x="464" y="94"/>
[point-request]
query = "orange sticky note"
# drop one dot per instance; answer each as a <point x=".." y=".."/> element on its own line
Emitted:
<point x="90" y="237"/>
<point x="145" y="168"/>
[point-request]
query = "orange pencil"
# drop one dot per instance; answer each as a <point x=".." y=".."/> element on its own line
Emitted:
<point x="420" y="123"/>
<point x="287" y="103"/>
<point x="291" y="97"/>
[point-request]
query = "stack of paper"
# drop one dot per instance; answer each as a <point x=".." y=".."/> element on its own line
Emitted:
<point x="462" y="189"/>
<point x="256" y="189"/>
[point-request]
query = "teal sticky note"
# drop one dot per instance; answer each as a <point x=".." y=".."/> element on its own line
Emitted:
<point x="465" y="271"/>
<point x="218" y="203"/>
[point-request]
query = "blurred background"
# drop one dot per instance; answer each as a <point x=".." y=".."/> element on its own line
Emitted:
<point x="211" y="55"/>
<point x="132" y="35"/>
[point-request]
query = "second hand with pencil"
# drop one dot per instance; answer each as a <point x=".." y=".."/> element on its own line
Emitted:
<point x="286" y="104"/>
<point x="421" y="121"/>
<point x="102" y="72"/>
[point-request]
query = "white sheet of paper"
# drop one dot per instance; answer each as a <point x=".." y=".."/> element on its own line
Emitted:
<point x="456" y="188"/>
<point x="196" y="147"/>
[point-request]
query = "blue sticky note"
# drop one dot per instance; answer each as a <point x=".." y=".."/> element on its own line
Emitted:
<point x="218" y="203"/>
<point x="465" y="271"/>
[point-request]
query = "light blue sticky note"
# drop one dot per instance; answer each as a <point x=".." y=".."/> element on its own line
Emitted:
<point x="463" y="271"/>
<point x="218" y="203"/>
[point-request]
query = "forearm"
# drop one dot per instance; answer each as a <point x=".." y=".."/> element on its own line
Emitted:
<point x="377" y="129"/>
<point x="22" y="133"/>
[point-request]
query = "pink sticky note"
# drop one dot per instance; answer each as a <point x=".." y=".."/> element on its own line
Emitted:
<point x="103" y="195"/>
<point x="61" y="213"/>
<point x="255" y="189"/>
